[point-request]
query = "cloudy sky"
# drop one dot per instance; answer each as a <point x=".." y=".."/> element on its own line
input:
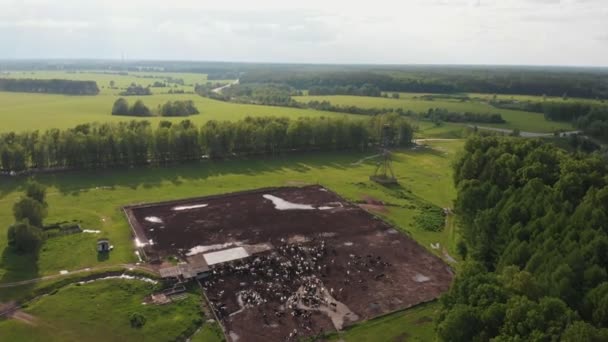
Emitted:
<point x="538" y="32"/>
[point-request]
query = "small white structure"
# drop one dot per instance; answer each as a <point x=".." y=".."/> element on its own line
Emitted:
<point x="225" y="255"/>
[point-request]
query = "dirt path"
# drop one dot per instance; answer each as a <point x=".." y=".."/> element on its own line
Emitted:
<point x="219" y="89"/>
<point x="524" y="134"/>
<point x="91" y="269"/>
<point x="416" y="141"/>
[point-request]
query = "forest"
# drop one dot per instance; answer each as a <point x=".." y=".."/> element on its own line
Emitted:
<point x="534" y="221"/>
<point x="526" y="81"/>
<point x="138" y="143"/>
<point x="67" y="87"/>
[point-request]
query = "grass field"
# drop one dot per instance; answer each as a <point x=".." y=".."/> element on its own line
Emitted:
<point x="103" y="79"/>
<point x="416" y="324"/>
<point x="525" y="121"/>
<point x="29" y="111"/>
<point x="25" y="111"/>
<point x="100" y="311"/>
<point x="95" y="198"/>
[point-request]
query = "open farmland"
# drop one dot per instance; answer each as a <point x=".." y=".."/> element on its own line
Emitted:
<point x="30" y="111"/>
<point x="24" y="111"/>
<point x="304" y="254"/>
<point x="524" y="121"/>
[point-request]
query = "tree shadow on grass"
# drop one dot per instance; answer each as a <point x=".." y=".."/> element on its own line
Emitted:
<point x="75" y="182"/>
<point x="17" y="267"/>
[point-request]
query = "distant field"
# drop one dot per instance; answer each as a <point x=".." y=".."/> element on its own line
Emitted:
<point x="24" y="111"/>
<point x="532" y="98"/>
<point x="525" y="121"/>
<point x="103" y="79"/>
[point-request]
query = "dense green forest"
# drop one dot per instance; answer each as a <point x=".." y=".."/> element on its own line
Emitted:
<point x="68" y="87"/>
<point x="447" y="80"/>
<point x="534" y="223"/>
<point x="138" y="143"/>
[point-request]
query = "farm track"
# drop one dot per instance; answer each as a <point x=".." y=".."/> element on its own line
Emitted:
<point x="90" y="269"/>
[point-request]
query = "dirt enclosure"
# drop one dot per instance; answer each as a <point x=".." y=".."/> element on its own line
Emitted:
<point x="301" y="260"/>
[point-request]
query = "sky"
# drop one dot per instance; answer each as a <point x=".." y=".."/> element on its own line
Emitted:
<point x="517" y="32"/>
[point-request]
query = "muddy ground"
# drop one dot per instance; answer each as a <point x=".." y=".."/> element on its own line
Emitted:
<point x="331" y="253"/>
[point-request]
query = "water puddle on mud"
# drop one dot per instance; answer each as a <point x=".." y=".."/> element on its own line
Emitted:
<point x="281" y="204"/>
<point x="153" y="219"/>
<point x="188" y="207"/>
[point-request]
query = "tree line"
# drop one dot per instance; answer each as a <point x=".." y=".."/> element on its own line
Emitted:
<point x="496" y="80"/>
<point x="534" y="222"/>
<point x="280" y="95"/>
<point x="136" y="90"/>
<point x="138" y="143"/>
<point x="53" y="86"/>
<point x="26" y="234"/>
<point x="363" y="90"/>
<point x="170" y="108"/>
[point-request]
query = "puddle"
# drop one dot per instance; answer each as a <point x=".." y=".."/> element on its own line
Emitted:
<point x="421" y="278"/>
<point x="91" y="231"/>
<point x="188" y="207"/>
<point x="233" y="336"/>
<point x="348" y="243"/>
<point x="281" y="204"/>
<point x="142" y="244"/>
<point x="122" y="276"/>
<point x="153" y="219"/>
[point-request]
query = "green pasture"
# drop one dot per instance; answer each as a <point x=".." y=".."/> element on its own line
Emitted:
<point x="416" y="324"/>
<point x="95" y="198"/>
<point x="101" y="311"/>
<point x="26" y="111"/>
<point x="103" y="79"/>
<point x="524" y="121"/>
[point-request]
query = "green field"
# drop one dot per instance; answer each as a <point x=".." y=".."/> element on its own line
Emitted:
<point x="416" y="324"/>
<point x="103" y="79"/>
<point x="524" y="121"/>
<point x="95" y="198"/>
<point x="100" y="311"/>
<point x="24" y="111"/>
<point x="29" y="111"/>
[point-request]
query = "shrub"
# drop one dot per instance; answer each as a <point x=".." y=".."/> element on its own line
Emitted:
<point x="137" y="320"/>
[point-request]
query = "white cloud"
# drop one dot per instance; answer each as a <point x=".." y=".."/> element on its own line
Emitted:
<point x="337" y="31"/>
